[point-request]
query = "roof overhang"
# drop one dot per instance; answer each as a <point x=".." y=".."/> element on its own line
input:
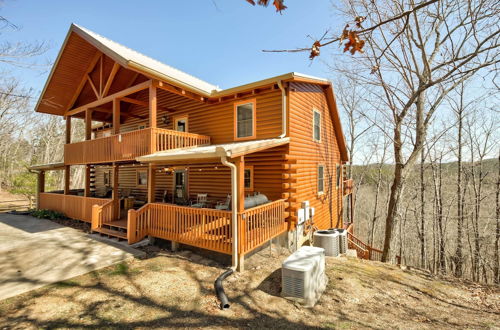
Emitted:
<point x="47" y="167"/>
<point x="230" y="150"/>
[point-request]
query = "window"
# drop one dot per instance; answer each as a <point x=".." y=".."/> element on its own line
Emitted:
<point x="244" y="117"/>
<point x="316" y="125"/>
<point x="142" y="178"/>
<point x="181" y="124"/>
<point x="248" y="178"/>
<point x="106" y="133"/>
<point x="141" y="126"/>
<point x="338" y="170"/>
<point x="321" y="179"/>
<point x="107" y="178"/>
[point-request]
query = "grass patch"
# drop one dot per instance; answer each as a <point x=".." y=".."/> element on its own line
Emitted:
<point x="123" y="269"/>
<point x="66" y="284"/>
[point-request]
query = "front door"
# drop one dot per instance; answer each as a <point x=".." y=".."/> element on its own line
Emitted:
<point x="180" y="187"/>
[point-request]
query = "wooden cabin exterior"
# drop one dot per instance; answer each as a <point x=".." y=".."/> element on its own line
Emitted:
<point x="158" y="140"/>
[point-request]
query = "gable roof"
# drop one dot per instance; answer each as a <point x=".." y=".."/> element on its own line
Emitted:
<point x="76" y="59"/>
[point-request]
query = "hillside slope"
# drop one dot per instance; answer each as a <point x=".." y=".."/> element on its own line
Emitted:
<point x="176" y="291"/>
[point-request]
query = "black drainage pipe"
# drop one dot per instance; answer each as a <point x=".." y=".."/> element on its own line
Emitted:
<point x="219" y="289"/>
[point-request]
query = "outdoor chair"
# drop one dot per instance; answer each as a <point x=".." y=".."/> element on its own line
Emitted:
<point x="224" y="206"/>
<point x="201" y="201"/>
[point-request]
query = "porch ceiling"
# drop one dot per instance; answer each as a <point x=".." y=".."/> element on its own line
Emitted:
<point x="215" y="151"/>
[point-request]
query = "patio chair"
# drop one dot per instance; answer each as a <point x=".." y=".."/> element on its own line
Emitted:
<point x="201" y="201"/>
<point x="224" y="206"/>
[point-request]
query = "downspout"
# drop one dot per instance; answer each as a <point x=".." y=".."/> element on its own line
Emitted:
<point x="219" y="289"/>
<point x="283" y="109"/>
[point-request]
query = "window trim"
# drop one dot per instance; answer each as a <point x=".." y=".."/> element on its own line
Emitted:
<point x="254" y="119"/>
<point x="175" y="119"/>
<point x="138" y="184"/>
<point x="250" y="168"/>
<point x="323" y="178"/>
<point x="314" y="110"/>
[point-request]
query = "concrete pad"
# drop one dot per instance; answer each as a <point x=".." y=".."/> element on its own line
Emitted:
<point x="36" y="252"/>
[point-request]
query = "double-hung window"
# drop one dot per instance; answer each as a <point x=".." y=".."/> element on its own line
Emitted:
<point x="316" y="125"/>
<point x="244" y="120"/>
<point x="321" y="179"/>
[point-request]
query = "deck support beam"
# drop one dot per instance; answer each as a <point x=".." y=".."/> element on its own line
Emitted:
<point x="88" y="124"/>
<point x="116" y="116"/>
<point x="68" y="130"/>
<point x="67" y="174"/>
<point x="151" y="183"/>
<point x="115" y="193"/>
<point x="240" y="169"/>
<point x="40" y="187"/>
<point x="153" y="106"/>
<point x="87" y="181"/>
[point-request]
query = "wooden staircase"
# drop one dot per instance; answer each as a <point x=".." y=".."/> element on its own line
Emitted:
<point x="114" y="229"/>
<point x="364" y="251"/>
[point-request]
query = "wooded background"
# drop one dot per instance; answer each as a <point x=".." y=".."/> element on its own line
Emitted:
<point x="420" y="111"/>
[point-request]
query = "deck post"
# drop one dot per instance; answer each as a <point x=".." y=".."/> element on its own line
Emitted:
<point x="116" y="195"/>
<point x="88" y="124"/>
<point x="240" y="168"/>
<point x="87" y="181"/>
<point x="68" y="129"/>
<point x="152" y="105"/>
<point x="151" y="183"/>
<point x="40" y="187"/>
<point x="67" y="174"/>
<point x="116" y="116"/>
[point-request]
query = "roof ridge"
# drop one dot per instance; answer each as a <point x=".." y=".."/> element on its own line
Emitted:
<point x="137" y="53"/>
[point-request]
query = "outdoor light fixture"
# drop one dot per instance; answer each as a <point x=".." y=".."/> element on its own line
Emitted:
<point x="165" y="120"/>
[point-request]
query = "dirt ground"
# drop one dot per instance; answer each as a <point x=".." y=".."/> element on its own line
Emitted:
<point x="175" y="290"/>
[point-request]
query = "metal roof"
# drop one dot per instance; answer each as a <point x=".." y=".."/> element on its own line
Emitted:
<point x="230" y="150"/>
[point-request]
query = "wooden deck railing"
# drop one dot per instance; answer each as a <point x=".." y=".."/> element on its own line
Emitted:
<point x="363" y="250"/>
<point x="348" y="186"/>
<point x="75" y="207"/>
<point x="129" y="145"/>
<point x="260" y="224"/>
<point x="205" y="228"/>
<point x="103" y="214"/>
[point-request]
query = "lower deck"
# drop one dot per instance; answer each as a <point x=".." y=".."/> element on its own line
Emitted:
<point x="205" y="228"/>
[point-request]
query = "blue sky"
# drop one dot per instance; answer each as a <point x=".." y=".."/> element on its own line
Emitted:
<point x="219" y="43"/>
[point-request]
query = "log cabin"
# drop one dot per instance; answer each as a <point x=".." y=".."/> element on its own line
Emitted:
<point x="170" y="156"/>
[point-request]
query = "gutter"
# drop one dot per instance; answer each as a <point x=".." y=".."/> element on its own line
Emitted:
<point x="283" y="109"/>
<point x="234" y="204"/>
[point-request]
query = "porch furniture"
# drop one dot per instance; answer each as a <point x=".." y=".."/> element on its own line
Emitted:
<point x="201" y="201"/>
<point x="225" y="205"/>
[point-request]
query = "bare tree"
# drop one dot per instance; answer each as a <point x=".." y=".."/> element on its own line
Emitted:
<point x="415" y="64"/>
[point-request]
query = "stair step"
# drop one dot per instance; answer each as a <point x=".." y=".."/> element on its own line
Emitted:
<point x="112" y="232"/>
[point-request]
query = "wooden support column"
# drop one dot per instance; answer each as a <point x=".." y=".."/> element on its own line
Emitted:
<point x="116" y="116"/>
<point x="68" y="129"/>
<point x="87" y="181"/>
<point x="88" y="124"/>
<point x="115" y="193"/>
<point x="67" y="174"/>
<point x="40" y="187"/>
<point x="151" y="183"/>
<point x="153" y="106"/>
<point x="240" y="175"/>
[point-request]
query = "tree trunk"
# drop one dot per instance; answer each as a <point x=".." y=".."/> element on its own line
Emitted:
<point x="392" y="210"/>
<point x="496" y="268"/>
<point x="460" y="217"/>
<point x="422" y="211"/>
